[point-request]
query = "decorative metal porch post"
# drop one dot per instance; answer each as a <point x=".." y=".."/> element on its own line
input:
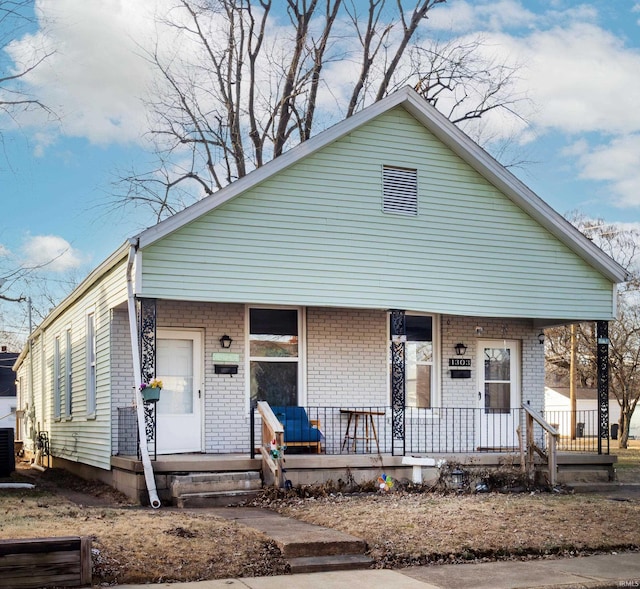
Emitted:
<point x="147" y="335"/>
<point x="398" y="382"/>
<point x="602" y="359"/>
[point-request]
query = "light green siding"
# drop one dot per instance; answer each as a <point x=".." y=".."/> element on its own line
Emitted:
<point x="80" y="438"/>
<point x="315" y="234"/>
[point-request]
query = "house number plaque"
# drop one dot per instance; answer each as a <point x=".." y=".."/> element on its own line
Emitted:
<point x="460" y="362"/>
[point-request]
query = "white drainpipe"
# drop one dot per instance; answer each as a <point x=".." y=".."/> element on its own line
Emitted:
<point x="137" y="375"/>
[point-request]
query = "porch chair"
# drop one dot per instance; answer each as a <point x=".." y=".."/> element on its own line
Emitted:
<point x="299" y="430"/>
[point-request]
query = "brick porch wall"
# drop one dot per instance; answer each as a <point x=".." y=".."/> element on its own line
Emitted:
<point x="346" y="353"/>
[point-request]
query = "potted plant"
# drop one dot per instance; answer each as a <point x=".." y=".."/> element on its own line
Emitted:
<point x="151" y="391"/>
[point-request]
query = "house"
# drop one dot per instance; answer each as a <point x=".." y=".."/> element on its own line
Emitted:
<point x="8" y="397"/>
<point x="558" y="410"/>
<point x="388" y="275"/>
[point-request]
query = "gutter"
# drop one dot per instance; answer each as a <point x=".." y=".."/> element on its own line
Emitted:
<point x="137" y="375"/>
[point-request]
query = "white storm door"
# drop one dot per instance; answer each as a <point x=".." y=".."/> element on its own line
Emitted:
<point x="498" y="393"/>
<point x="179" y="410"/>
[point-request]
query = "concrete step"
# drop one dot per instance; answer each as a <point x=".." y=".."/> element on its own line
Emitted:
<point x="214" y="482"/>
<point x="340" y="562"/>
<point x="215" y="498"/>
<point x="305" y="548"/>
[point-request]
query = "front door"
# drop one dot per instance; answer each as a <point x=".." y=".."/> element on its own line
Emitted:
<point x="498" y="393"/>
<point x="179" y="410"/>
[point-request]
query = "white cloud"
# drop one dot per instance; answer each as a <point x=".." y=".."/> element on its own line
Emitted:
<point x="51" y="252"/>
<point x="618" y="164"/>
<point x="4" y="251"/>
<point x="464" y="16"/>
<point x="96" y="76"/>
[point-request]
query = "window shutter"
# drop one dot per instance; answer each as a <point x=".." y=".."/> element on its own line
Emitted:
<point x="400" y="191"/>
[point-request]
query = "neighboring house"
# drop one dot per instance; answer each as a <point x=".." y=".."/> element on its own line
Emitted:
<point x="558" y="406"/>
<point x="391" y="230"/>
<point x="8" y="398"/>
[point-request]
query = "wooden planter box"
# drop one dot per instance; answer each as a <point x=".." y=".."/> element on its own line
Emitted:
<point x="45" y="562"/>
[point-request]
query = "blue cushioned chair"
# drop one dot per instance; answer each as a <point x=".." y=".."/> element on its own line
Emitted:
<point x="299" y="430"/>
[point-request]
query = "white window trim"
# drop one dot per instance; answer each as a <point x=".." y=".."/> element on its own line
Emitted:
<point x="57" y="392"/>
<point x="436" y="391"/>
<point x="68" y="374"/>
<point x="91" y="342"/>
<point x="302" y="351"/>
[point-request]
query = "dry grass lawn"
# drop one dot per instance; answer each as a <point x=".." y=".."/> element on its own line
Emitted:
<point x="137" y="545"/>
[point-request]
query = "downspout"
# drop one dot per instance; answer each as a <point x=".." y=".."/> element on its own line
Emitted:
<point x="137" y="375"/>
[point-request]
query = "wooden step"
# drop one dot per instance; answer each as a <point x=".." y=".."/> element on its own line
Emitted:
<point x="337" y="562"/>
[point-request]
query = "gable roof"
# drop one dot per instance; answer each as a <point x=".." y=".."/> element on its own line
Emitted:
<point x="446" y="132"/>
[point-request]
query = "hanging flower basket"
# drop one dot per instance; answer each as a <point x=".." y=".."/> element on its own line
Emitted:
<point x="151" y="395"/>
<point x="151" y="392"/>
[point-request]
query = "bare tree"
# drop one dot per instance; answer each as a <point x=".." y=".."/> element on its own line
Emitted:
<point x="624" y="333"/>
<point x="241" y="81"/>
<point x="15" y="16"/>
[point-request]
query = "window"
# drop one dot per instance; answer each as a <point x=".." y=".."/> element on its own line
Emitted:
<point x="419" y="361"/>
<point x="274" y="355"/>
<point x="400" y="191"/>
<point x="57" y="376"/>
<point x="91" y="364"/>
<point x="67" y="374"/>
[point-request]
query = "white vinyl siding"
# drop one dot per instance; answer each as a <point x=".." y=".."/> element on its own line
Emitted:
<point x="315" y="235"/>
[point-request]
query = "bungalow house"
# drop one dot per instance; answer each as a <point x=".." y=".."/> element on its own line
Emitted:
<point x="387" y="275"/>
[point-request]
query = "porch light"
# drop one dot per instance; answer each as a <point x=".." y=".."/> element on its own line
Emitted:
<point x="541" y="338"/>
<point x="458" y="478"/>
<point x="460" y="349"/>
<point x="225" y="341"/>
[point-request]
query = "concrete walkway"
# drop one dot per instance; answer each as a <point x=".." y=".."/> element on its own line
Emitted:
<point x="588" y="572"/>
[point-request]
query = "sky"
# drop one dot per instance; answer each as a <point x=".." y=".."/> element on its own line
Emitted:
<point x="577" y="135"/>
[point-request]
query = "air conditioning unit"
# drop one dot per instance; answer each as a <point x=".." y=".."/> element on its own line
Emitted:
<point x="7" y="455"/>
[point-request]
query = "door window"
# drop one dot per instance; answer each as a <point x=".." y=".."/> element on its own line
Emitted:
<point x="497" y="380"/>
<point x="175" y="358"/>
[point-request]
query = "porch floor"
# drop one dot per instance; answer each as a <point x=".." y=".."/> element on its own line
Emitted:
<point x="174" y="463"/>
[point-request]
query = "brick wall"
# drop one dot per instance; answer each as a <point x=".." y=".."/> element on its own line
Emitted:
<point x="122" y="391"/>
<point x="226" y="417"/>
<point x="463" y="392"/>
<point x="346" y="353"/>
<point x="346" y="357"/>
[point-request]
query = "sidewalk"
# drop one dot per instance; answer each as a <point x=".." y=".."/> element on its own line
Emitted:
<point x="588" y="572"/>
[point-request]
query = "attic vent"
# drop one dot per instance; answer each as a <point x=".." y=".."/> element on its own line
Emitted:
<point x="400" y="191"/>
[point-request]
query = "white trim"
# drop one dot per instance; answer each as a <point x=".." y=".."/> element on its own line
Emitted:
<point x="68" y="373"/>
<point x="57" y="392"/>
<point x="91" y="341"/>
<point x="451" y="136"/>
<point x="199" y="343"/>
<point x="436" y="366"/>
<point x="301" y="358"/>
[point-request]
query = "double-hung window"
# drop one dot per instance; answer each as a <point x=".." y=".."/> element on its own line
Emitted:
<point x="91" y="364"/>
<point x="274" y="355"/>
<point x="419" y="361"/>
<point x="67" y="374"/>
<point x="57" y="379"/>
